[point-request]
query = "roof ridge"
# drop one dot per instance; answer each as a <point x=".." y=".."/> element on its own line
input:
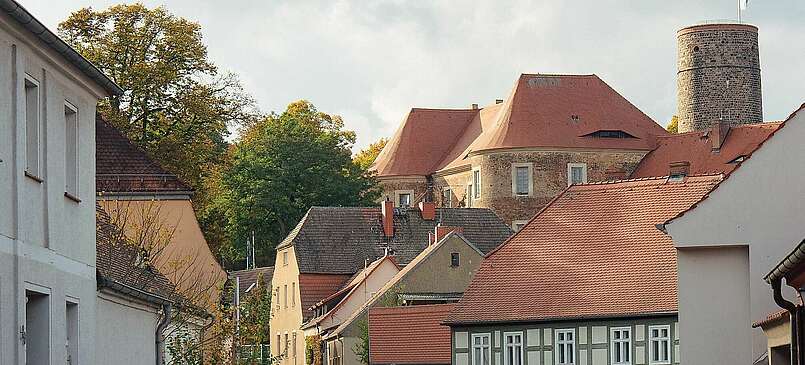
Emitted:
<point x="638" y="179"/>
<point x="446" y="109"/>
<point x="559" y="75"/>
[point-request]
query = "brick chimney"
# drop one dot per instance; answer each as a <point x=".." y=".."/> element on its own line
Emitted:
<point x="679" y="169"/>
<point x="387" y="208"/>
<point x="442" y="231"/>
<point x="615" y="173"/>
<point x="428" y="210"/>
<point x="718" y="134"/>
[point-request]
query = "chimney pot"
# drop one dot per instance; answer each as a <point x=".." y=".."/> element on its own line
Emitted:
<point x="442" y="231"/>
<point x="474" y="106"/>
<point x="387" y="210"/>
<point x="428" y="210"/>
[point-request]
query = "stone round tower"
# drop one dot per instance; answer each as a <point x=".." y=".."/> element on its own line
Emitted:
<point x="718" y="76"/>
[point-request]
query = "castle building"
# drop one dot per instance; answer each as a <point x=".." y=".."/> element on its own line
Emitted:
<point x="718" y="78"/>
<point x="514" y="156"/>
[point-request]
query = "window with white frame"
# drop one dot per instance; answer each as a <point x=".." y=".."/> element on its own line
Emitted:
<point x="481" y="349"/>
<point x="447" y="198"/>
<point x="518" y="225"/>
<point x="576" y="173"/>
<point x="404" y="197"/>
<point x="469" y="195"/>
<point x="476" y="183"/>
<point x="522" y="175"/>
<point x="659" y="344"/>
<point x="33" y="127"/>
<point x="512" y="348"/>
<point x="621" y="345"/>
<point x="566" y="347"/>
<point x="70" y="150"/>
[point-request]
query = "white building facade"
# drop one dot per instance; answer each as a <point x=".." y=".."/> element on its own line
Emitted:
<point x="48" y="96"/>
<point x="730" y="240"/>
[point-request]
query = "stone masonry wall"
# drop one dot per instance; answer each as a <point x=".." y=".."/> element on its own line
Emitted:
<point x="718" y="76"/>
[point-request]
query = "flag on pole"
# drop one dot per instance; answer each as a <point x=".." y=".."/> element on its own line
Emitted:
<point x="744" y="3"/>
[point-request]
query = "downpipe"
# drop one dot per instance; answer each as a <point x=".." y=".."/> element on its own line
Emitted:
<point x="796" y="320"/>
<point x="160" y="336"/>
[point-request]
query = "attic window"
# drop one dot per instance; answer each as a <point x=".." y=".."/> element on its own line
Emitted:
<point x="610" y="134"/>
<point x="455" y="259"/>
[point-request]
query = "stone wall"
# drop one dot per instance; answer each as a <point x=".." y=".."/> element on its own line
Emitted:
<point x="718" y="76"/>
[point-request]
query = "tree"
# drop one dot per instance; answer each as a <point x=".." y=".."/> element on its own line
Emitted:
<point x="176" y="104"/>
<point x="673" y="125"/>
<point x="366" y="157"/>
<point x="281" y="167"/>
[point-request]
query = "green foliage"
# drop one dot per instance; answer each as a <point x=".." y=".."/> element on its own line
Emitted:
<point x="367" y="156"/>
<point x="361" y="348"/>
<point x="673" y="125"/>
<point x="313" y="350"/>
<point x="177" y="105"/>
<point x="281" y="167"/>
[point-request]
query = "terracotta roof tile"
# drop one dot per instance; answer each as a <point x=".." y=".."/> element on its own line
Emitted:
<point x="772" y="318"/>
<point x="315" y="287"/>
<point x="409" y="335"/>
<point x="697" y="149"/>
<point x="541" y="111"/>
<point x="593" y="251"/>
<point x="338" y="240"/>
<point x="123" y="167"/>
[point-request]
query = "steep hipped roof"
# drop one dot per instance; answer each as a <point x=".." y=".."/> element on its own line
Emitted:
<point x="554" y="111"/>
<point x="592" y="252"/>
<point x="338" y="240"/>
<point x="247" y="278"/>
<point x="697" y="149"/>
<point x="123" y="167"/>
<point x="391" y="340"/>
<point x="120" y="265"/>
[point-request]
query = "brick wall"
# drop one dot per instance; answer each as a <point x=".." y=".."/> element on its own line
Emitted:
<point x="719" y="76"/>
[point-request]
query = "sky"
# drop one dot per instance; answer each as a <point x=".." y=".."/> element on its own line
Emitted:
<point x="371" y="61"/>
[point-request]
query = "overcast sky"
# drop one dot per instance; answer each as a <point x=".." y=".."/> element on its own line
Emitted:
<point x="371" y="61"/>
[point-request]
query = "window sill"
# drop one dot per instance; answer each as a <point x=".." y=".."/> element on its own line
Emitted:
<point x="34" y="177"/>
<point x="522" y="195"/>
<point x="72" y="197"/>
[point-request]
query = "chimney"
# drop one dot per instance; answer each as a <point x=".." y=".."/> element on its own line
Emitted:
<point x="431" y="238"/>
<point x="678" y="170"/>
<point x="428" y="210"/>
<point x="615" y="173"/>
<point x="474" y="106"/>
<point x="719" y="134"/>
<point x="388" y="218"/>
<point x="498" y="101"/>
<point x="442" y="231"/>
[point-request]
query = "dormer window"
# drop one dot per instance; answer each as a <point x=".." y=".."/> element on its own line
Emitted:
<point x="609" y="134"/>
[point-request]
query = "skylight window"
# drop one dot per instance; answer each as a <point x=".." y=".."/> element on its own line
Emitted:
<point x="609" y="134"/>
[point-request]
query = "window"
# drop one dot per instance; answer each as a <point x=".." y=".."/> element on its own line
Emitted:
<point x="481" y="350"/>
<point x="72" y="332"/>
<point x="404" y="198"/>
<point x="447" y="198"/>
<point x="285" y="295"/>
<point x="279" y="345"/>
<point x="277" y="299"/>
<point x="455" y="260"/>
<point x="513" y="348"/>
<point x="522" y="184"/>
<point x="659" y="344"/>
<point x="566" y="346"/>
<point x="293" y="346"/>
<point x="293" y="295"/>
<point x="70" y="150"/>
<point x="33" y="126"/>
<point x="621" y="343"/>
<point x="287" y="343"/>
<point x="576" y="173"/>
<point x="476" y="184"/>
<point x="469" y="195"/>
<point x="284" y="258"/>
<point x="518" y="225"/>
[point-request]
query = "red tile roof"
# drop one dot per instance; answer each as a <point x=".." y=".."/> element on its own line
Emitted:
<point x="697" y="149"/>
<point x="315" y="287"/>
<point x="123" y="167"/>
<point x="594" y="251"/>
<point x="409" y="335"/>
<point x="541" y="111"/>
<point x="772" y="318"/>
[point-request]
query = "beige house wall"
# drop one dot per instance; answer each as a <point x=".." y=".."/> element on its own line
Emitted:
<point x="286" y="319"/>
<point x="759" y="206"/>
<point x="184" y="256"/>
